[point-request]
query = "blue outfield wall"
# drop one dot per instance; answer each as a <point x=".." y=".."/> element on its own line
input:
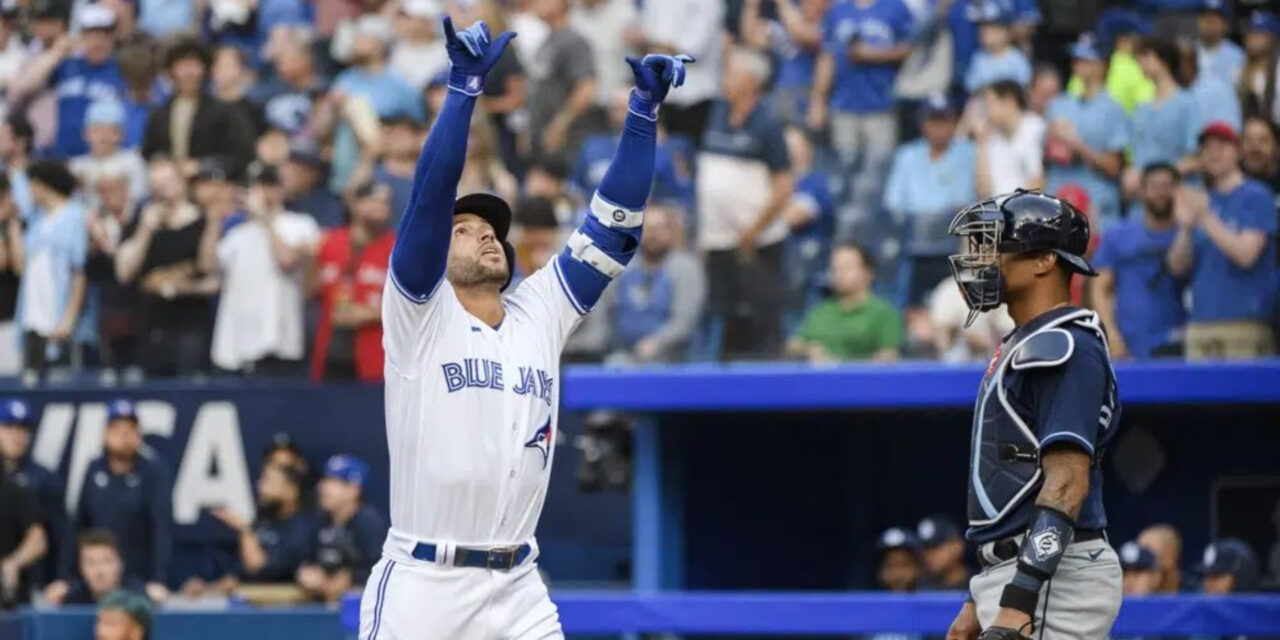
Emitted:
<point x="728" y="460"/>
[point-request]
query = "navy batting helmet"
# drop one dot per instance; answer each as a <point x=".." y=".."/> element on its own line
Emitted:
<point x="1012" y="223"/>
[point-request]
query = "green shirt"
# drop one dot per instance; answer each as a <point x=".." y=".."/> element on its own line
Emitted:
<point x="853" y="333"/>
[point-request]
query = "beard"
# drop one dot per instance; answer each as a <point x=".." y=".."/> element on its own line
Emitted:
<point x="471" y="272"/>
<point x="1163" y="211"/>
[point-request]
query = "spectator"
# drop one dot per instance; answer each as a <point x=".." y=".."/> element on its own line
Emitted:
<point x="744" y="183"/>
<point x="160" y="255"/>
<point x="612" y="28"/>
<point x="1088" y="135"/>
<point x="1260" y="75"/>
<point x="127" y="492"/>
<point x="16" y="143"/>
<point x="795" y="40"/>
<point x="288" y="96"/>
<point x="810" y="218"/>
<point x="1139" y="301"/>
<point x="696" y="28"/>
<point x="946" y="332"/>
<point x="538" y="235"/>
<point x="1164" y="128"/>
<point x="116" y="302"/>
<point x="1141" y="571"/>
<point x="1046" y="84"/>
<point x="194" y="125"/>
<point x="402" y="144"/>
<point x="104" y="131"/>
<point x="1226" y="245"/>
<point x="16" y="466"/>
<point x="13" y="50"/>
<point x="1230" y="566"/>
<point x="1216" y="95"/>
<point x="598" y="149"/>
<point x="259" y="325"/>
<point x="932" y="178"/>
<point x="1122" y="30"/>
<point x="546" y="178"/>
<point x="248" y="26"/>
<point x="659" y="300"/>
<point x="272" y="147"/>
<point x="279" y="539"/>
<point x="50" y="261"/>
<point x="564" y="84"/>
<point x="417" y="54"/>
<point x="1218" y="56"/>
<point x="349" y="273"/>
<point x="79" y="77"/>
<point x="231" y="78"/>
<point x="138" y="68"/>
<point x="351" y="534"/>
<point x="864" y="41"/>
<point x="943" y="551"/>
<point x="853" y="324"/>
<point x="1010" y="142"/>
<point x="101" y="571"/>
<point x="10" y="239"/>
<point x="165" y="19"/>
<point x="900" y="569"/>
<point x="1260" y="151"/>
<point x="123" y="615"/>
<point x="283" y="451"/>
<point x="368" y="81"/>
<point x="998" y="59"/>
<point x="1166" y="543"/>
<point x="23" y="542"/>
<point x="305" y="188"/>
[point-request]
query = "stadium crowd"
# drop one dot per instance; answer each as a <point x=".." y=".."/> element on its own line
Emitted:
<point x="210" y="188"/>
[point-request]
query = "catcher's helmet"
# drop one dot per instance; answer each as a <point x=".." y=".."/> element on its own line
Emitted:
<point x="1018" y="222"/>
<point x="497" y="213"/>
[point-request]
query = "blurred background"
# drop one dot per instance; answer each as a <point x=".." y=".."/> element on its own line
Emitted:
<point x="199" y="197"/>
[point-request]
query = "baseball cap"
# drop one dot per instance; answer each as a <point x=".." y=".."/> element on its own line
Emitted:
<point x="347" y="468"/>
<point x="1232" y="556"/>
<point x="104" y="112"/>
<point x="306" y="152"/>
<point x="1116" y="21"/>
<point x="15" y="412"/>
<point x="135" y="605"/>
<point x="897" y="538"/>
<point x="96" y="16"/>
<point x="1263" y="21"/>
<point x="1137" y="557"/>
<point x="212" y="168"/>
<point x="1219" y="7"/>
<point x="263" y="173"/>
<point x="988" y="11"/>
<point x="121" y="409"/>
<point x="1086" y="48"/>
<point x="936" y="105"/>
<point x="491" y="208"/>
<point x="935" y="530"/>
<point x="1221" y="130"/>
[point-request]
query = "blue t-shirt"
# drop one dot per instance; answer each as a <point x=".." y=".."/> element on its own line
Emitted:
<point x="390" y="97"/>
<point x="287" y="544"/>
<point x="354" y="545"/>
<point x="1104" y="126"/>
<point x="1223" y="61"/>
<point x="857" y="87"/>
<point x="922" y="186"/>
<point x="759" y="138"/>
<point x="597" y="153"/>
<point x="1167" y="131"/>
<point x="164" y="18"/>
<point x="252" y="36"/>
<point x="1148" y="297"/>
<point x="964" y="32"/>
<point x="987" y="68"/>
<point x="283" y="106"/>
<point x="644" y="299"/>
<point x="808" y="248"/>
<point x="62" y="239"/>
<point x="1218" y="101"/>
<point x="79" y="83"/>
<point x="1221" y="291"/>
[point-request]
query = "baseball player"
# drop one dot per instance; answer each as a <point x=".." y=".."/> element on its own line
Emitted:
<point x="1045" y="413"/>
<point x="472" y="378"/>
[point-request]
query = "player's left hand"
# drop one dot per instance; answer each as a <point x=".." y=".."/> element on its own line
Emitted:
<point x="656" y="74"/>
<point x="1010" y="620"/>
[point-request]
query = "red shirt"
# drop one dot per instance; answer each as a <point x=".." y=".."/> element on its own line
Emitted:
<point x="358" y="278"/>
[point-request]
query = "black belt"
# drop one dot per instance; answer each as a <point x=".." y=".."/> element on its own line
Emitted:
<point x="499" y="558"/>
<point x="1007" y="548"/>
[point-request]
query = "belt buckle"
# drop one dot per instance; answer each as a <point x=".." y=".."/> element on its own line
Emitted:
<point x="502" y="558"/>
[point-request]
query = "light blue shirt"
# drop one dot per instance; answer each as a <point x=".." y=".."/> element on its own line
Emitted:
<point x="162" y="18"/>
<point x="1011" y="64"/>
<point x="1218" y="101"/>
<point x="390" y="97"/>
<point x="1223" y="61"/>
<point x="922" y="186"/>
<point x="1166" y="131"/>
<point x="1103" y="125"/>
<point x="64" y="239"/>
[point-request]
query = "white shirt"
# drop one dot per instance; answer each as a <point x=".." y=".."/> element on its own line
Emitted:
<point x="418" y="62"/>
<point x="472" y="412"/>
<point x="732" y="193"/>
<point x="260" y="309"/>
<point x="533" y="32"/>
<point x="604" y="26"/>
<point x="1014" y="161"/>
<point x="695" y="27"/>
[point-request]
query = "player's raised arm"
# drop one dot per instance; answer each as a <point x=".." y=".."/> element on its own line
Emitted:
<point x="422" y="242"/>
<point x="603" y="245"/>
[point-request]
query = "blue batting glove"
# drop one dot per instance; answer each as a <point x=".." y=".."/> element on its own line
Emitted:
<point x="656" y="74"/>
<point x="472" y="53"/>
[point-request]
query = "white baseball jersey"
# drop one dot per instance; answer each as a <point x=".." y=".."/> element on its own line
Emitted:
<point x="471" y="410"/>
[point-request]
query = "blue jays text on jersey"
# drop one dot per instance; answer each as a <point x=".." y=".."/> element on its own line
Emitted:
<point x="479" y="373"/>
<point x="1050" y="382"/>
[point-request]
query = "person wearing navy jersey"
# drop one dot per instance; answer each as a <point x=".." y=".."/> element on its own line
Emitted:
<point x="1047" y="410"/>
<point x="348" y="539"/>
<point x="16" y="424"/>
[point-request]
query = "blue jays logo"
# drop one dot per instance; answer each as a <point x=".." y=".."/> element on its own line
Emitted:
<point x="541" y="441"/>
